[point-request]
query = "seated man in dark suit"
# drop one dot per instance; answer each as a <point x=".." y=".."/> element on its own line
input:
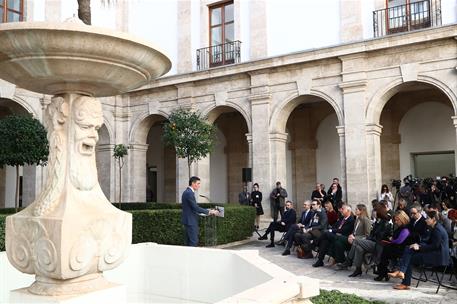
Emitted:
<point x="308" y="236"/>
<point x="433" y="252"/>
<point x="290" y="217"/>
<point x="417" y="226"/>
<point x="304" y="222"/>
<point x="344" y="226"/>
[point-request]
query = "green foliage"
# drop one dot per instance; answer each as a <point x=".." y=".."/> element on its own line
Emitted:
<point x="23" y="141"/>
<point x="190" y="135"/>
<point x="120" y="151"/>
<point x="161" y="223"/>
<point x="336" y="297"/>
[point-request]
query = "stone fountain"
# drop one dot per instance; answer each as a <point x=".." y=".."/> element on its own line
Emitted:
<point x="71" y="233"/>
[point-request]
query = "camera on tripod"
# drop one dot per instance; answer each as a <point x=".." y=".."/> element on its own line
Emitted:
<point x="396" y="183"/>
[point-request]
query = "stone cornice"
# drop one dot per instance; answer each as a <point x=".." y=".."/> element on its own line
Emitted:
<point x="138" y="147"/>
<point x="353" y="86"/>
<point x="340" y="51"/>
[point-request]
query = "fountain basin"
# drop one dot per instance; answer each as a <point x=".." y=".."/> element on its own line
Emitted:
<point x="55" y="58"/>
<point x="174" y="274"/>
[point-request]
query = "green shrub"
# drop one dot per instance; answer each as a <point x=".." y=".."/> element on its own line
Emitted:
<point x="164" y="226"/>
<point x="337" y="297"/>
<point x="161" y="223"/>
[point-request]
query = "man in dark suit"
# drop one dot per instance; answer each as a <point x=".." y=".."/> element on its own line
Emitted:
<point x="304" y="222"/>
<point x="344" y="226"/>
<point x="190" y="211"/>
<point x="289" y="218"/>
<point x="417" y="226"/>
<point x="433" y="252"/>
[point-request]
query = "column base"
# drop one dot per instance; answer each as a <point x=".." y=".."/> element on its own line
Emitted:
<point x="111" y="293"/>
<point x="52" y="287"/>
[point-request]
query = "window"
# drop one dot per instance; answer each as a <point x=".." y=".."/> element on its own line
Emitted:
<point x="12" y="10"/>
<point x="222" y="34"/>
<point x="406" y="15"/>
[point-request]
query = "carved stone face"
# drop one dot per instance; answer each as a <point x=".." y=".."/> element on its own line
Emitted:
<point x="87" y="118"/>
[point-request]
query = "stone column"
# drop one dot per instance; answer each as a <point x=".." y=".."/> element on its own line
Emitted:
<point x="249" y="139"/>
<point x="278" y="142"/>
<point x="182" y="177"/>
<point x="355" y="142"/>
<point x="28" y="185"/>
<point x="260" y="109"/>
<point x="104" y="154"/>
<point x="184" y="37"/>
<point x="454" y="120"/>
<point x="258" y="29"/>
<point x="373" y="138"/>
<point x="137" y="156"/>
<point x="340" y="130"/>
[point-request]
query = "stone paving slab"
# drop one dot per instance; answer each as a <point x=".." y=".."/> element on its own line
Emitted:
<point x="363" y="286"/>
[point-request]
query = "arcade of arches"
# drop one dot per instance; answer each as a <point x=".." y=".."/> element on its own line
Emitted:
<point x="366" y="112"/>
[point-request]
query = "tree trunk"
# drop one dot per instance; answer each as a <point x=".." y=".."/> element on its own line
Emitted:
<point x="16" y="203"/>
<point x="188" y="166"/>
<point x="120" y="183"/>
<point x="84" y="11"/>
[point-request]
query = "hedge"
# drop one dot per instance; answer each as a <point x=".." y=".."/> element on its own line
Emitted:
<point x="337" y="297"/>
<point x="161" y="223"/>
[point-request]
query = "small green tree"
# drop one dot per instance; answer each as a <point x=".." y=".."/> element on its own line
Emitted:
<point x="190" y="135"/>
<point x="23" y="141"/>
<point x="119" y="152"/>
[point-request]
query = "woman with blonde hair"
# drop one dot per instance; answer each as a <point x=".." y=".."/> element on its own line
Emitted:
<point x="396" y="245"/>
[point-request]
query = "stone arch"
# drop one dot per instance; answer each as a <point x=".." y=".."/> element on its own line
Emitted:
<point x="212" y="113"/>
<point x="26" y="106"/>
<point x="141" y="126"/>
<point x="282" y="111"/>
<point x="224" y="165"/>
<point x="383" y="95"/>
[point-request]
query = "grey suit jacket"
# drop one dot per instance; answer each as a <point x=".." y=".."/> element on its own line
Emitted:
<point x="362" y="227"/>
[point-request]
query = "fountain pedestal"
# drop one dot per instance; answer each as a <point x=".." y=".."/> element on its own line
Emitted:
<point x="72" y="233"/>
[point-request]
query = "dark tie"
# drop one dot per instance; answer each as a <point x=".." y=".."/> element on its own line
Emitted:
<point x="342" y="223"/>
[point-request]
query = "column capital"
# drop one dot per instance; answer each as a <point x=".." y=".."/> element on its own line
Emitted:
<point x="340" y="130"/>
<point x="249" y="137"/>
<point x="138" y="147"/>
<point x="278" y="136"/>
<point x="373" y="129"/>
<point x="454" y="120"/>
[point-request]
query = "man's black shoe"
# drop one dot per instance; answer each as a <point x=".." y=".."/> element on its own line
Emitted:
<point x="318" y="263"/>
<point x="270" y="246"/>
<point x="286" y="252"/>
<point x="263" y="237"/>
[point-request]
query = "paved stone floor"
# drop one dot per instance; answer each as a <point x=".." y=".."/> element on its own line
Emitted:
<point x="363" y="286"/>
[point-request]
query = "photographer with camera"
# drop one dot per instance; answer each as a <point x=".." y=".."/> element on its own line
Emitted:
<point x="278" y="198"/>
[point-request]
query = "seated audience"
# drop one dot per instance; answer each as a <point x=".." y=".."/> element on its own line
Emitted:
<point x="443" y="220"/>
<point x="382" y="230"/>
<point x="393" y="249"/>
<point x="289" y="218"/>
<point x="308" y="236"/>
<point x="332" y="215"/>
<point x="342" y="243"/>
<point x="417" y="226"/>
<point x="433" y="252"/>
<point x="304" y="223"/>
<point x="343" y="227"/>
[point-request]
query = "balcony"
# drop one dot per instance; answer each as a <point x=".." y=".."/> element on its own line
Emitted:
<point x="218" y="55"/>
<point x="408" y="17"/>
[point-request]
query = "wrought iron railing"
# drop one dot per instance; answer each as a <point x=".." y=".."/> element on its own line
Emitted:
<point x="217" y="55"/>
<point x="408" y="17"/>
